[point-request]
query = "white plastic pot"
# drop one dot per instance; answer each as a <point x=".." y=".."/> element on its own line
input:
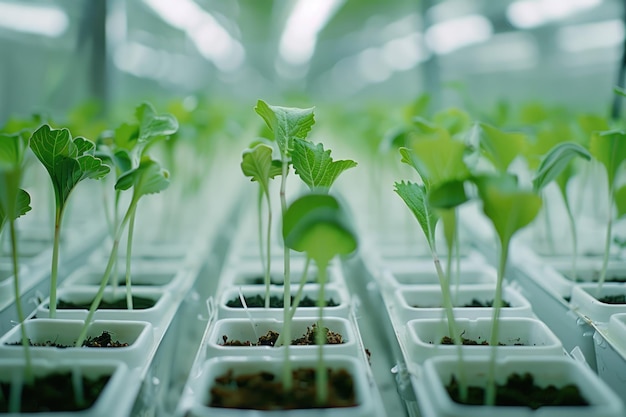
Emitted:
<point x="584" y="301"/>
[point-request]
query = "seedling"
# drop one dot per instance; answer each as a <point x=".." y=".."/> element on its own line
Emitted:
<point x="509" y="209"/>
<point x="68" y="162"/>
<point x="14" y="202"/>
<point x="317" y="225"/>
<point x="555" y="166"/>
<point x="287" y="125"/>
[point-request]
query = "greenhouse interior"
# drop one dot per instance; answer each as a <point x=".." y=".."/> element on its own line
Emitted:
<point x="313" y="207"/>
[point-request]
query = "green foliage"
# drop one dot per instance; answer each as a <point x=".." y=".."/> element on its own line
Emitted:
<point x="453" y="120"/>
<point x="555" y="162"/>
<point x="147" y="178"/>
<point x="315" y="166"/>
<point x="609" y="148"/>
<point x="414" y="196"/>
<point x="257" y="164"/>
<point x="68" y="161"/>
<point x="620" y="201"/>
<point x="14" y="202"/>
<point x="501" y="147"/>
<point x="316" y="224"/>
<point x="437" y="160"/>
<point x="287" y="124"/>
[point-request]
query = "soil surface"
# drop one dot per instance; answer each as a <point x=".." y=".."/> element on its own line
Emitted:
<point x="270" y="338"/>
<point x="446" y="340"/>
<point x="264" y="391"/>
<point x="54" y="392"/>
<point x="613" y="299"/>
<point x="260" y="280"/>
<point x="258" y="301"/>
<point x="104" y="340"/>
<point x="474" y="303"/>
<point x="139" y="303"/>
<point x="520" y="390"/>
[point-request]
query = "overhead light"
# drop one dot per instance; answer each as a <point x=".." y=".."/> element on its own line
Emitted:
<point x="450" y="35"/>
<point x="525" y="14"/>
<point x="308" y="18"/>
<point x="36" y="19"/>
<point x="208" y="35"/>
<point x="577" y="38"/>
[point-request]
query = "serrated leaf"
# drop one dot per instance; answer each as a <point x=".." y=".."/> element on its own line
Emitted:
<point x="153" y="125"/>
<point x="67" y="161"/>
<point x="555" y="162"/>
<point x="256" y="163"/>
<point x="147" y="178"/>
<point x="408" y="157"/>
<point x="414" y="196"/>
<point x="609" y="148"/>
<point x="316" y="224"/>
<point x="315" y="166"/>
<point x="507" y="206"/>
<point x="287" y="123"/>
<point x="501" y="147"/>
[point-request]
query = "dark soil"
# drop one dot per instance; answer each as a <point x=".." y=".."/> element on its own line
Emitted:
<point x="139" y="303"/>
<point x="264" y="391"/>
<point x="270" y="338"/>
<point x="102" y="341"/>
<point x="260" y="280"/>
<point x="258" y="301"/>
<point x="613" y="299"/>
<point x="474" y="303"/>
<point x="446" y="340"/>
<point x="54" y="392"/>
<point x="520" y="390"/>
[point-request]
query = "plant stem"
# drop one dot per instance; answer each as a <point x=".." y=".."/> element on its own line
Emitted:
<point x="116" y="216"/>
<point x="55" y="261"/>
<point x="105" y="277"/>
<point x="572" y="228"/>
<point x="607" y="245"/>
<point x="129" y="247"/>
<point x="268" y="248"/>
<point x="321" y="377"/>
<point x="490" y="391"/>
<point x="266" y="278"/>
<point x="28" y="374"/>
<point x="296" y="299"/>
<point x="287" y="377"/>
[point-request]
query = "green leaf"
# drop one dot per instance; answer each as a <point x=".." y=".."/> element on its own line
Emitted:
<point x="454" y="120"/>
<point x="507" y="206"/>
<point x="68" y="161"/>
<point x="501" y="147"/>
<point x="153" y="125"/>
<point x="147" y="178"/>
<point x="555" y="162"/>
<point x="287" y="124"/>
<point x="414" y="196"/>
<point x="590" y="123"/>
<point x="257" y="164"/>
<point x="12" y="148"/>
<point x="609" y="148"/>
<point x="447" y="195"/>
<point x="316" y="224"/>
<point x="620" y="201"/>
<point x="126" y="136"/>
<point x="438" y="160"/>
<point x="408" y="157"/>
<point x="315" y="166"/>
<point x="21" y="207"/>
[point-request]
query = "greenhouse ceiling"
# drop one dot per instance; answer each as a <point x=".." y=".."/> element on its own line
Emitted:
<point x="57" y="52"/>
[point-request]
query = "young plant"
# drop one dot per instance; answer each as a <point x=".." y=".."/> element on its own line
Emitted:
<point x="608" y="148"/>
<point x="14" y="202"/>
<point x="68" y="162"/>
<point x="317" y="225"/>
<point x="257" y="164"/>
<point x="555" y="166"/>
<point x="147" y="178"/>
<point x="440" y="165"/>
<point x="287" y="124"/>
<point x="509" y="209"/>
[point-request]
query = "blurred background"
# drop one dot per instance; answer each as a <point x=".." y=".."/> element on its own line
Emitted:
<point x="56" y="54"/>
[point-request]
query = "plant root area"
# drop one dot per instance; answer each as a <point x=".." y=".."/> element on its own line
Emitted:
<point x="270" y="338"/>
<point x="104" y="340"/>
<point x="139" y="303"/>
<point x="54" y="392"/>
<point x="264" y="391"/>
<point x="520" y="390"/>
<point x="258" y="301"/>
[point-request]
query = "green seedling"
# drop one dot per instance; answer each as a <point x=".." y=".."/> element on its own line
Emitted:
<point x="317" y="225"/>
<point x="257" y="164"/>
<point x="287" y="124"/>
<point x="501" y="147"/>
<point x="509" y="209"/>
<point x="14" y="202"/>
<point x="68" y="162"/>
<point x="556" y="166"/>
<point x="608" y="148"/>
<point x="147" y="178"/>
